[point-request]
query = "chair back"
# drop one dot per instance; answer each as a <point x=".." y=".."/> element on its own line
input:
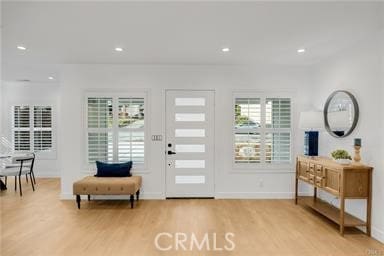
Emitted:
<point x="24" y="160"/>
<point x="14" y="159"/>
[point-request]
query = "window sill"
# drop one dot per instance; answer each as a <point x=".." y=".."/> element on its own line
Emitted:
<point x="134" y="172"/>
<point x="91" y="170"/>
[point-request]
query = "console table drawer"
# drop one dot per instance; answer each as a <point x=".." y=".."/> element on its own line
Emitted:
<point x="319" y="170"/>
<point x="303" y="171"/>
<point x="319" y="182"/>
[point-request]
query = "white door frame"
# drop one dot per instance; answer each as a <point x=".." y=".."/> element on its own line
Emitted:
<point x="212" y="195"/>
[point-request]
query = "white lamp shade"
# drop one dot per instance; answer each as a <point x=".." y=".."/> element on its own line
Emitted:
<point x="311" y="120"/>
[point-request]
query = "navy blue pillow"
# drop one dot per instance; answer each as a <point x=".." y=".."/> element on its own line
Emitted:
<point x="113" y="169"/>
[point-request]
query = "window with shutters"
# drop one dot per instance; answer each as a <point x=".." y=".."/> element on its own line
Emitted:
<point x="32" y="128"/>
<point x="116" y="128"/>
<point x="262" y="130"/>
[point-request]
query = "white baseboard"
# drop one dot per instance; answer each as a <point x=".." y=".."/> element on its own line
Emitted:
<point x="152" y="196"/>
<point x="48" y="175"/>
<point x="258" y="195"/>
<point x="218" y="195"/>
<point x="66" y="196"/>
<point x="144" y="196"/>
<point x="378" y="234"/>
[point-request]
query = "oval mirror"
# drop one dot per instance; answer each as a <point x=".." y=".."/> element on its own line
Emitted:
<point x="341" y="113"/>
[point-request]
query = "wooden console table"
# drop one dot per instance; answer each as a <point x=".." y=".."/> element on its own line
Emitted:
<point x="343" y="181"/>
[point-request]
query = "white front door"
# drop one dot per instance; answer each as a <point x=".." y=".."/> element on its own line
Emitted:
<point x="189" y="143"/>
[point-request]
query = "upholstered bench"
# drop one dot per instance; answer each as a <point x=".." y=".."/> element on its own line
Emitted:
<point x="107" y="186"/>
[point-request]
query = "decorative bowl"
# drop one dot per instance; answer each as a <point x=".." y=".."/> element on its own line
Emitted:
<point x="343" y="161"/>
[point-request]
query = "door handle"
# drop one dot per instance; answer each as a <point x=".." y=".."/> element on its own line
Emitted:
<point x="171" y="152"/>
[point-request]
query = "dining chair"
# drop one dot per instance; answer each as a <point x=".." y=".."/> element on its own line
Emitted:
<point x="24" y="167"/>
<point x="14" y="163"/>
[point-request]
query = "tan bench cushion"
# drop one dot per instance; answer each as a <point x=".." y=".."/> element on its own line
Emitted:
<point x="107" y="185"/>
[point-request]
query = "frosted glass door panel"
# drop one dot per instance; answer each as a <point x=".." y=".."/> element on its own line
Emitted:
<point x="190" y="101"/>
<point x="186" y="164"/>
<point x="186" y="117"/>
<point x="189" y="132"/>
<point x="189" y="179"/>
<point x="190" y="148"/>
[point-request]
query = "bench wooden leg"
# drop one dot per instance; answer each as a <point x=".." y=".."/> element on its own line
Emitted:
<point x="78" y="200"/>
<point x="132" y="200"/>
<point x="137" y="195"/>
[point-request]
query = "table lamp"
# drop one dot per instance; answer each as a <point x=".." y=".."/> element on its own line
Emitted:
<point x="311" y="122"/>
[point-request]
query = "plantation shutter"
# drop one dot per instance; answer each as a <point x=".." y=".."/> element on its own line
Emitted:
<point x="100" y="120"/>
<point x="131" y="130"/>
<point x="247" y="130"/>
<point x="21" y="128"/>
<point x="262" y="131"/>
<point x="116" y="129"/>
<point x="42" y="128"/>
<point x="278" y="132"/>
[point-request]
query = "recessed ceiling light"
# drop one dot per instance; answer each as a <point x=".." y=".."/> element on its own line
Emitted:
<point x="20" y="47"/>
<point x="118" y="49"/>
<point x="302" y="50"/>
<point x="51" y="78"/>
<point x="225" y="49"/>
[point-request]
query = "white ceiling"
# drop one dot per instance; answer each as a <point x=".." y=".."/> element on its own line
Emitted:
<point x="171" y="33"/>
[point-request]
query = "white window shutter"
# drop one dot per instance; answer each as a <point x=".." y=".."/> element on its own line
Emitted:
<point x="21" y="117"/>
<point x="22" y="140"/>
<point x="21" y="128"/>
<point x="278" y="135"/>
<point x="262" y="133"/>
<point x="100" y="120"/>
<point x="278" y="147"/>
<point x="247" y="130"/>
<point x="116" y="129"/>
<point x="100" y="146"/>
<point x="42" y="134"/>
<point x="131" y="139"/>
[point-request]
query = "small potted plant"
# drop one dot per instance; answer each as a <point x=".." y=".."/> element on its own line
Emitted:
<point x="341" y="156"/>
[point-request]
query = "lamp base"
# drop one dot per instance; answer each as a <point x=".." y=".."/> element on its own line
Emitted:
<point x="311" y="143"/>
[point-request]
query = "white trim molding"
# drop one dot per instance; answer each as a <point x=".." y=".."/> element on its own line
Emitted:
<point x="378" y="234"/>
<point x="143" y="195"/>
<point x="258" y="195"/>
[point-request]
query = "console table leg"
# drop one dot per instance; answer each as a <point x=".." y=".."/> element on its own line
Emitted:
<point x="342" y="209"/>
<point x="369" y="203"/>
<point x="296" y="189"/>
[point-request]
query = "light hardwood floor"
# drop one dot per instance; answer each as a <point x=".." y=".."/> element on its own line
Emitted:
<point x="40" y="224"/>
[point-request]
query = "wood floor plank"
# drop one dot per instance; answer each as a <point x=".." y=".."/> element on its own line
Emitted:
<point x="40" y="224"/>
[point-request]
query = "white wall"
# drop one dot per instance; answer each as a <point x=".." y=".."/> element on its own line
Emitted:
<point x="14" y="93"/>
<point x="358" y="70"/>
<point x="76" y="79"/>
<point x="1" y="76"/>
